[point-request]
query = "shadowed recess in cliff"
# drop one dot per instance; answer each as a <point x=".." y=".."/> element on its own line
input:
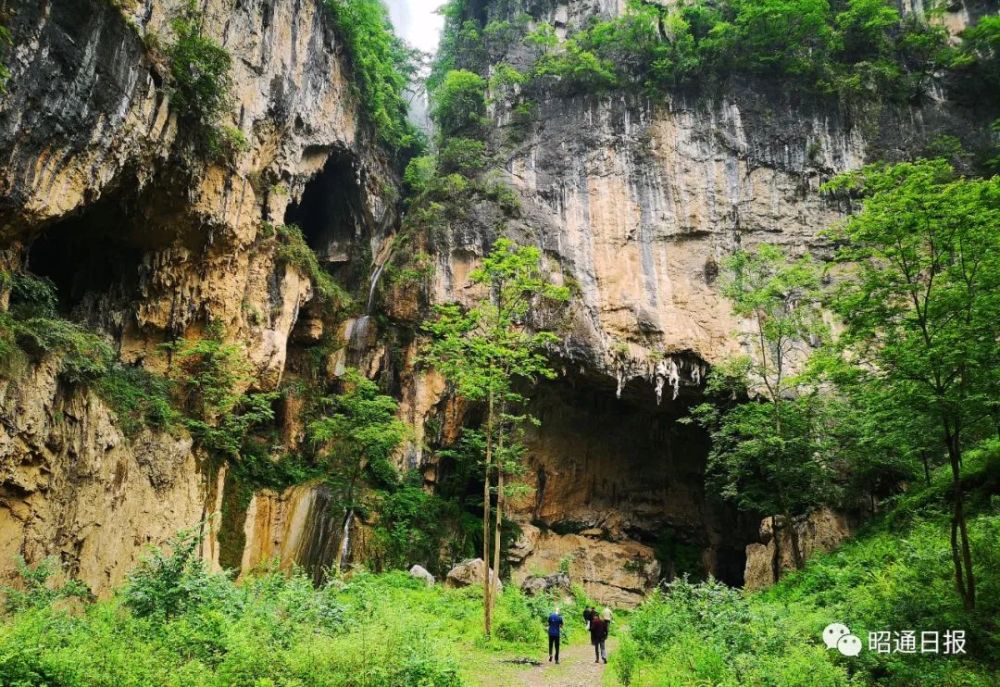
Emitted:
<point x="95" y="268"/>
<point x="329" y="213"/>
<point x="626" y="469"/>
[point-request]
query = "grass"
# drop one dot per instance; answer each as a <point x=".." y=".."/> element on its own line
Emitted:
<point x="895" y="575"/>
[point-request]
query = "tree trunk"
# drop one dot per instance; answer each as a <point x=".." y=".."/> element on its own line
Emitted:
<point x="500" y="505"/>
<point x="776" y="559"/>
<point x="487" y="596"/>
<point x="961" y="551"/>
<point x="927" y="467"/>
<point x="793" y="536"/>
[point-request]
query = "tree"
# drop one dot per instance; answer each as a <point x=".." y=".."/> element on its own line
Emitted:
<point x="921" y="305"/>
<point x="358" y="436"/>
<point x="770" y="429"/>
<point x="483" y="351"/>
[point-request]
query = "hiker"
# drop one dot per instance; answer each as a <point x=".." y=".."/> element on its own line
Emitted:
<point x="555" y="630"/>
<point x="588" y="613"/>
<point x="598" y="635"/>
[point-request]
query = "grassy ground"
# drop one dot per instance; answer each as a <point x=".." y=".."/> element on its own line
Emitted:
<point x="176" y="624"/>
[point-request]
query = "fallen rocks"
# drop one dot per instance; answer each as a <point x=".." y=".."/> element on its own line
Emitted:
<point x="468" y="573"/>
<point x="421" y="573"/>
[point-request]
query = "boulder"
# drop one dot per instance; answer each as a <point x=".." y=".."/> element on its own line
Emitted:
<point x="421" y="573"/>
<point x="468" y="573"/>
<point x="539" y="584"/>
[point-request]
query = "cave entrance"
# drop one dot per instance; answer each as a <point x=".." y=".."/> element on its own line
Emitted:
<point x="93" y="265"/>
<point x="330" y="215"/>
<point x="625" y="469"/>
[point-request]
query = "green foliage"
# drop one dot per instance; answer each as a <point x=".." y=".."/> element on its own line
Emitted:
<point x="32" y="329"/>
<point x="482" y="349"/>
<point x="419" y="171"/>
<point x="37" y="589"/>
<point x="139" y="398"/>
<point x="459" y="102"/>
<point x="978" y="59"/>
<point x="888" y="578"/>
<point x="357" y="432"/>
<point x="463" y="156"/>
<point x="201" y="84"/>
<point x="5" y="41"/>
<point x="212" y="377"/>
<point x="293" y="250"/>
<point x="920" y="309"/>
<point x="383" y="65"/>
<point x="771" y="453"/>
<point x="857" y="47"/>
<point x="168" y="583"/>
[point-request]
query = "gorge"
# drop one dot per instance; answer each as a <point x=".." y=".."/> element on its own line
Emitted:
<point x="151" y="240"/>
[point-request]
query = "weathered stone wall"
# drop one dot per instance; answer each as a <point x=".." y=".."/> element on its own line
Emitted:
<point x="92" y="157"/>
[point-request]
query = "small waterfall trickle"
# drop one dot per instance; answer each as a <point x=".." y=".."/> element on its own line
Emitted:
<point x="376" y="273"/>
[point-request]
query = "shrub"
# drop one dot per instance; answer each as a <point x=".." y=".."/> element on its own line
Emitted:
<point x="464" y="156"/>
<point x="38" y="589"/>
<point x="418" y="173"/>
<point x="459" y="101"/>
<point x="139" y="398"/>
<point x="168" y="583"/>
<point x="200" y="83"/>
<point x="293" y="250"/>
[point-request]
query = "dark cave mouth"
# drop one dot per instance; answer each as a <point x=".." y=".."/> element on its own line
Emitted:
<point x="329" y="212"/>
<point x="627" y="467"/>
<point x="91" y="258"/>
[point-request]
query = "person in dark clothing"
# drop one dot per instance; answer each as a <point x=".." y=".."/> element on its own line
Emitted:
<point x="598" y="636"/>
<point x="588" y="613"/>
<point x="555" y="630"/>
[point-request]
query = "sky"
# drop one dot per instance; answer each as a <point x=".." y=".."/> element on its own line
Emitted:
<point x="417" y="22"/>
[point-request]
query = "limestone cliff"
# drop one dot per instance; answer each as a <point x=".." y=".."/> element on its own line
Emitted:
<point x="634" y="201"/>
<point x="102" y="192"/>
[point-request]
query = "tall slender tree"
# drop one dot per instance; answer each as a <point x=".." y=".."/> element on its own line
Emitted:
<point x="920" y="300"/>
<point x="483" y="351"/>
<point x="768" y="427"/>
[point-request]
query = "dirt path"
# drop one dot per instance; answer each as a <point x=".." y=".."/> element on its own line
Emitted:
<point x="576" y="668"/>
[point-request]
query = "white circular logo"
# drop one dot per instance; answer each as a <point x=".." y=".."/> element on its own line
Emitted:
<point x="833" y="633"/>
<point x="849" y="645"/>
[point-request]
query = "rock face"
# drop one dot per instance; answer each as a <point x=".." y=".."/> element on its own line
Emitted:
<point x="612" y="573"/>
<point x="74" y="487"/>
<point x="820" y="532"/>
<point x="634" y="202"/>
<point x="146" y="239"/>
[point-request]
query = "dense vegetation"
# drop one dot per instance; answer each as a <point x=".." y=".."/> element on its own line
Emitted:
<point x="893" y="577"/>
<point x="852" y="48"/>
<point x="384" y="67"/>
<point x="174" y="623"/>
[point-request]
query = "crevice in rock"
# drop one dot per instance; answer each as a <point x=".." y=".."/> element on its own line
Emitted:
<point x="330" y="214"/>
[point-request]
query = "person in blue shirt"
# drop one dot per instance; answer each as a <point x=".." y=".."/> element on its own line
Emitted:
<point x="555" y="630"/>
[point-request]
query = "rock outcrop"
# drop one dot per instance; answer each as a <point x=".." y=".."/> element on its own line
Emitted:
<point x="820" y="532"/>
<point x="147" y="239"/>
<point x="634" y="202"/>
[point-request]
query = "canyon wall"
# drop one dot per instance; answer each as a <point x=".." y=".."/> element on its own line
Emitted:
<point x="634" y="201"/>
<point x="103" y="192"/>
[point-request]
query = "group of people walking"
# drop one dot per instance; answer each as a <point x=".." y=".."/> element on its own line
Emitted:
<point x="598" y="624"/>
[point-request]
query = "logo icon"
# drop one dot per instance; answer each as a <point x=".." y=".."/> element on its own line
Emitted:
<point x="838" y="636"/>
